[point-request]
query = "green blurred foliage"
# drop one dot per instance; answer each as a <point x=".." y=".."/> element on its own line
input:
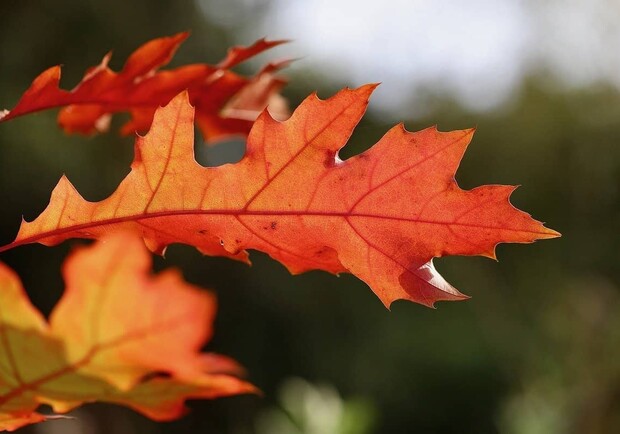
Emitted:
<point x="306" y="408"/>
<point x="534" y="351"/>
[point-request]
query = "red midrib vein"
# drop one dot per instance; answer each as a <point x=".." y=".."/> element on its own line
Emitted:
<point x="243" y="213"/>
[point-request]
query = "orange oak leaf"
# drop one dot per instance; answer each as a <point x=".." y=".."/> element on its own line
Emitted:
<point x="110" y="338"/>
<point x="226" y="103"/>
<point x="382" y="215"/>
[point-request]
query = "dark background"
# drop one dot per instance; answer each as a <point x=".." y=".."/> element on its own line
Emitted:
<point x="536" y="350"/>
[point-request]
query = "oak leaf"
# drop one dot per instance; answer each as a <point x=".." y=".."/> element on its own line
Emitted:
<point x="226" y="103"/>
<point x="382" y="215"/>
<point x="110" y="338"/>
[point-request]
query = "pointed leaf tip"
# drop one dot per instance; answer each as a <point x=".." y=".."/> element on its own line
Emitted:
<point x="550" y="233"/>
<point x="182" y="98"/>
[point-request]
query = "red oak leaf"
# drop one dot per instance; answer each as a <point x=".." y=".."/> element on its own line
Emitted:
<point x="382" y="215"/>
<point x="226" y="103"/>
<point x="115" y="329"/>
